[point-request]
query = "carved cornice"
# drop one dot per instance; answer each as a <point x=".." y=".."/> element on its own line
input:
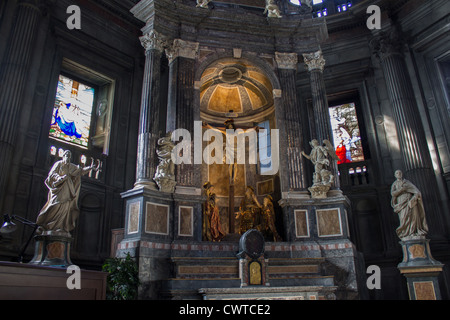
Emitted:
<point x="286" y="60"/>
<point x="153" y="41"/>
<point x="314" y="61"/>
<point x="182" y="48"/>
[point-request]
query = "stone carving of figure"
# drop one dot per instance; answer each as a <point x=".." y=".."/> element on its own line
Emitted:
<point x="272" y="9"/>
<point x="165" y="172"/>
<point x="61" y="211"/>
<point x="249" y="211"/>
<point x="322" y="177"/>
<point x="407" y="203"/>
<point x="268" y="214"/>
<point x="203" y="3"/>
<point x="212" y="230"/>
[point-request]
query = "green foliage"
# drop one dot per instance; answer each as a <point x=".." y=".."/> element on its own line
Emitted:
<point x="123" y="278"/>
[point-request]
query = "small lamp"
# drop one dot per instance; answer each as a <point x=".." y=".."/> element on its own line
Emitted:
<point x="9" y="227"/>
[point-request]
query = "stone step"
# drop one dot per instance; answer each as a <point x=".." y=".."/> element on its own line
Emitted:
<point x="192" y="288"/>
<point x="195" y="267"/>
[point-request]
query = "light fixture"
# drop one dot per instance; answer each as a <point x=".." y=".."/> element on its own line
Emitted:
<point x="9" y="227"/>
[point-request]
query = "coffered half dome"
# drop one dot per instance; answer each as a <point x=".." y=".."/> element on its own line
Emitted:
<point x="234" y="86"/>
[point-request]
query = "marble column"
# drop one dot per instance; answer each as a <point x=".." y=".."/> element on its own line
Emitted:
<point x="147" y="160"/>
<point x="418" y="168"/>
<point x="289" y="119"/>
<point x="315" y="64"/>
<point x="14" y="72"/>
<point x="181" y="111"/>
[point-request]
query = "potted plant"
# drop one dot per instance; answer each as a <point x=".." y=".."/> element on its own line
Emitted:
<point x="123" y="278"/>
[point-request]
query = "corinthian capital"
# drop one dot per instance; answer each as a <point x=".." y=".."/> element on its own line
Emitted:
<point x="153" y="40"/>
<point x="182" y="48"/>
<point x="387" y="44"/>
<point x="314" y="61"/>
<point x="286" y="60"/>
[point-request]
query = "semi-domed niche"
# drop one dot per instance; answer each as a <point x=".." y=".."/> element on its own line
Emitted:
<point x="234" y="86"/>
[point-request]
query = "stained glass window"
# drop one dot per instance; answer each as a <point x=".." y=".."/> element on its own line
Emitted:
<point x="346" y="133"/>
<point x="72" y="110"/>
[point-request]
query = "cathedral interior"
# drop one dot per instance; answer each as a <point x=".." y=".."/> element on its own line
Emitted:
<point x="109" y="79"/>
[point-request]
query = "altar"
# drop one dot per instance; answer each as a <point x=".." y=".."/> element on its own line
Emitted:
<point x="237" y="155"/>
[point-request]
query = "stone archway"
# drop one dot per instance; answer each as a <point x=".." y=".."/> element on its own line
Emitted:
<point x="240" y="90"/>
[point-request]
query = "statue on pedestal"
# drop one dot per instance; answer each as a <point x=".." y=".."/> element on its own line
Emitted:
<point x="165" y="172"/>
<point x="268" y="215"/>
<point x="63" y="181"/>
<point x="249" y="211"/>
<point x="418" y="265"/>
<point x="212" y="229"/>
<point x="407" y="203"/>
<point x="59" y="215"/>
<point x="322" y="177"/>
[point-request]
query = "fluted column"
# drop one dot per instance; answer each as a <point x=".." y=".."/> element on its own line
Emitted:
<point x="14" y="72"/>
<point x="150" y="109"/>
<point x="181" y="112"/>
<point x="418" y="168"/>
<point x="290" y="122"/>
<point x="315" y="64"/>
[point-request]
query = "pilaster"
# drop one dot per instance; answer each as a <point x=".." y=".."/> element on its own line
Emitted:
<point x="181" y="111"/>
<point x="389" y="49"/>
<point x="14" y="72"/>
<point x="291" y="123"/>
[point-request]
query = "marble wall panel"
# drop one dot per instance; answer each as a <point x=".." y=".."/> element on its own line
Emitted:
<point x="156" y="218"/>
<point x="329" y="222"/>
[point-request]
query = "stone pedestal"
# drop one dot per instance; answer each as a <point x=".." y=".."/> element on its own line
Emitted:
<point x="420" y="269"/>
<point x="52" y="249"/>
<point x="311" y="218"/>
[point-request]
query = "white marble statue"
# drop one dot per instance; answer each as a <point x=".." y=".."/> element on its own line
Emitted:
<point x="61" y="211"/>
<point x="272" y="9"/>
<point x="407" y="203"/>
<point x="165" y="172"/>
<point x="322" y="177"/>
